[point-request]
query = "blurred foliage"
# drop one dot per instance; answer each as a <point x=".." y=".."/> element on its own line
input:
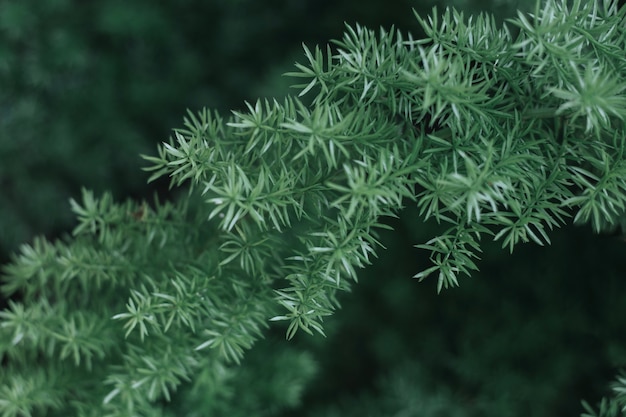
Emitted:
<point x="284" y="373"/>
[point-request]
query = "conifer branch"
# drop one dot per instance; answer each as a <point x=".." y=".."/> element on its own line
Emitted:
<point x="496" y="137"/>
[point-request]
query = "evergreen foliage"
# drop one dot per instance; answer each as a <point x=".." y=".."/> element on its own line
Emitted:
<point x="148" y="309"/>
<point x="87" y="87"/>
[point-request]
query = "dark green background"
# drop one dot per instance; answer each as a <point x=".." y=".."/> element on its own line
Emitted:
<point x="85" y="87"/>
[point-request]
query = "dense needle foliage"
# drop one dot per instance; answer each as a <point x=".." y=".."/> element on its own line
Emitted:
<point x="493" y="136"/>
<point x="88" y="86"/>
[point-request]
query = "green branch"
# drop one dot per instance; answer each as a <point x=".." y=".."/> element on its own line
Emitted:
<point x="497" y="137"/>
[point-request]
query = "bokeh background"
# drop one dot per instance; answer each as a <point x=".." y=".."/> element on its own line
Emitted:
<point x="88" y="86"/>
